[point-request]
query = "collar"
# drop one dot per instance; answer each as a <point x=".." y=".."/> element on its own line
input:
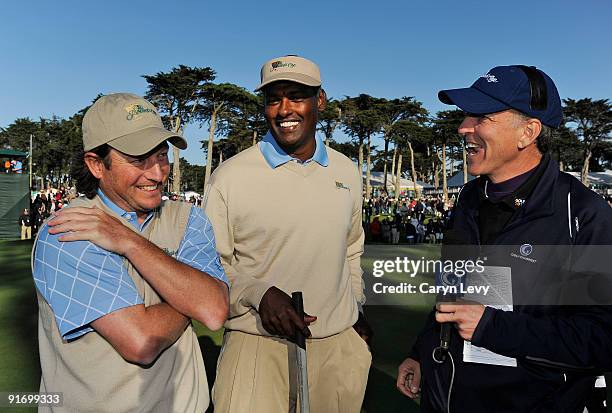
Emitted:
<point x="131" y="217"/>
<point x="516" y="199"/>
<point x="275" y="156"/>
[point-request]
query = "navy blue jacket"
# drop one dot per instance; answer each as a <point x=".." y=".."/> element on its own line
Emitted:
<point x="559" y="347"/>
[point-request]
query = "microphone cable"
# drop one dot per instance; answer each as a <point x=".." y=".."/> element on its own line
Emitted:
<point x="441" y="360"/>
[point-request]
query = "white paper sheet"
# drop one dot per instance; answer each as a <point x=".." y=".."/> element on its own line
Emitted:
<point x="499" y="296"/>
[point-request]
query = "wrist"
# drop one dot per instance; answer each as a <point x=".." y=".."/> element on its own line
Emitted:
<point x="131" y="243"/>
<point x="485" y="319"/>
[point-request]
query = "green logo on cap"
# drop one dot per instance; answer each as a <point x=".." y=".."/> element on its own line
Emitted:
<point x="279" y="63"/>
<point x="136" y="109"/>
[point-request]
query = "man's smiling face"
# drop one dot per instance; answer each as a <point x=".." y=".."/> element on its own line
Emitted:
<point x="135" y="184"/>
<point x="492" y="143"/>
<point x="291" y="110"/>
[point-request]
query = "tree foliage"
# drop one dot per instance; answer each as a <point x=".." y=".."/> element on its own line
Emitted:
<point x="392" y="111"/>
<point x="221" y="103"/>
<point x="329" y="119"/>
<point x="177" y="94"/>
<point x="54" y="141"/>
<point x="591" y="121"/>
<point x="426" y="148"/>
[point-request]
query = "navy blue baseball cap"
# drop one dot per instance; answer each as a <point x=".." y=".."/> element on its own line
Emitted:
<point x="507" y="87"/>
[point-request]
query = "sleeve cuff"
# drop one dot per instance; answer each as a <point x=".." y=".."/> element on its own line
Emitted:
<point x="486" y="318"/>
<point x="414" y="354"/>
<point x="254" y="293"/>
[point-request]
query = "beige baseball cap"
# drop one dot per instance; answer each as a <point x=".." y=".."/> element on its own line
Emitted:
<point x="127" y="123"/>
<point x="293" y="68"/>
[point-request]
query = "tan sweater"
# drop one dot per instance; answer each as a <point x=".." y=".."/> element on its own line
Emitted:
<point x="296" y="227"/>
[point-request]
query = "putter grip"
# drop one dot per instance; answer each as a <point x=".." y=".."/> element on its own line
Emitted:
<point x="298" y="305"/>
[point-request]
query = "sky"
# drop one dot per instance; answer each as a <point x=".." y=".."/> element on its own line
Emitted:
<point x="56" y="56"/>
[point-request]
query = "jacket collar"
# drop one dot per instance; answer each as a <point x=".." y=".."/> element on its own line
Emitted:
<point x="540" y="201"/>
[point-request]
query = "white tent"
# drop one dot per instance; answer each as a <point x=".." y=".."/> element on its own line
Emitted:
<point x="600" y="182"/>
<point x="377" y="180"/>
<point x="597" y="178"/>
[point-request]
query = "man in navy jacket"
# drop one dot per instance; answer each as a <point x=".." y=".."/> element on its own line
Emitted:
<point x="551" y="232"/>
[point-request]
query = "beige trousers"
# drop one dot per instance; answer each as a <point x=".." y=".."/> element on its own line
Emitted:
<point x="258" y="374"/>
<point x="26" y="232"/>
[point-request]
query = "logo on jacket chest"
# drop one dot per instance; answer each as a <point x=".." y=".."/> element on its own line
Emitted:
<point x="525" y="251"/>
<point x="340" y="185"/>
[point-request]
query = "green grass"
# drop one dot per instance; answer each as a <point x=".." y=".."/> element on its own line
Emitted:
<point x="19" y="365"/>
<point x="395" y="319"/>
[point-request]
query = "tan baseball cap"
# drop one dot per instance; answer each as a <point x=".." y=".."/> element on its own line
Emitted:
<point x="127" y="123"/>
<point x="293" y="68"/>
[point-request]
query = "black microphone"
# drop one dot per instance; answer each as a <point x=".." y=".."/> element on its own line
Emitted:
<point x="445" y="330"/>
<point x="447" y="279"/>
<point x="454" y="248"/>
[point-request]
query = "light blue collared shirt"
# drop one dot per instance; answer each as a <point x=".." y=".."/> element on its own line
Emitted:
<point x="276" y="156"/>
<point x="83" y="282"/>
<point x="131" y="217"/>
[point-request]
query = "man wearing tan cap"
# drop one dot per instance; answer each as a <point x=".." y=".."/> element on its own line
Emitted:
<point x="287" y="217"/>
<point x="120" y="274"/>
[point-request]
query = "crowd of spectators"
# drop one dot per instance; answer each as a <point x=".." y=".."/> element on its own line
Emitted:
<point x="407" y="220"/>
<point x="195" y="199"/>
<point x="41" y="207"/>
<point x="385" y="219"/>
<point x="45" y="202"/>
<point x="12" y="166"/>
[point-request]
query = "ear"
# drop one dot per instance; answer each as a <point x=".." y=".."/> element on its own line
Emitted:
<point x="321" y="100"/>
<point x="95" y="164"/>
<point x="531" y="131"/>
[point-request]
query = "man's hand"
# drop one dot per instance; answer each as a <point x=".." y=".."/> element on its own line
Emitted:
<point x="94" y="225"/>
<point x="279" y="317"/>
<point x="409" y="378"/>
<point x="363" y="329"/>
<point x="465" y="315"/>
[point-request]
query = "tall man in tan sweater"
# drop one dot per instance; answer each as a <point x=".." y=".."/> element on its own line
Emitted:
<point x="287" y="217"/>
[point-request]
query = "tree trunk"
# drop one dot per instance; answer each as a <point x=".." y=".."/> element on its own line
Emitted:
<point x="176" y="170"/>
<point x="368" y="160"/>
<point x="444" y="186"/>
<point x="398" y="175"/>
<point x="385" y="161"/>
<point x="254" y="137"/>
<point x="360" y="163"/>
<point x="584" y="174"/>
<point x="436" y="178"/>
<point x="465" y="172"/>
<point x="393" y="163"/>
<point x="176" y="157"/>
<point x="417" y="192"/>
<point x="211" y="138"/>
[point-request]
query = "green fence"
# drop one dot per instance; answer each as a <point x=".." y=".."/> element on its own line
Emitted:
<point x="14" y="198"/>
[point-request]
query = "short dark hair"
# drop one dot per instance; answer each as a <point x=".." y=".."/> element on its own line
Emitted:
<point x="86" y="183"/>
<point x="544" y="139"/>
